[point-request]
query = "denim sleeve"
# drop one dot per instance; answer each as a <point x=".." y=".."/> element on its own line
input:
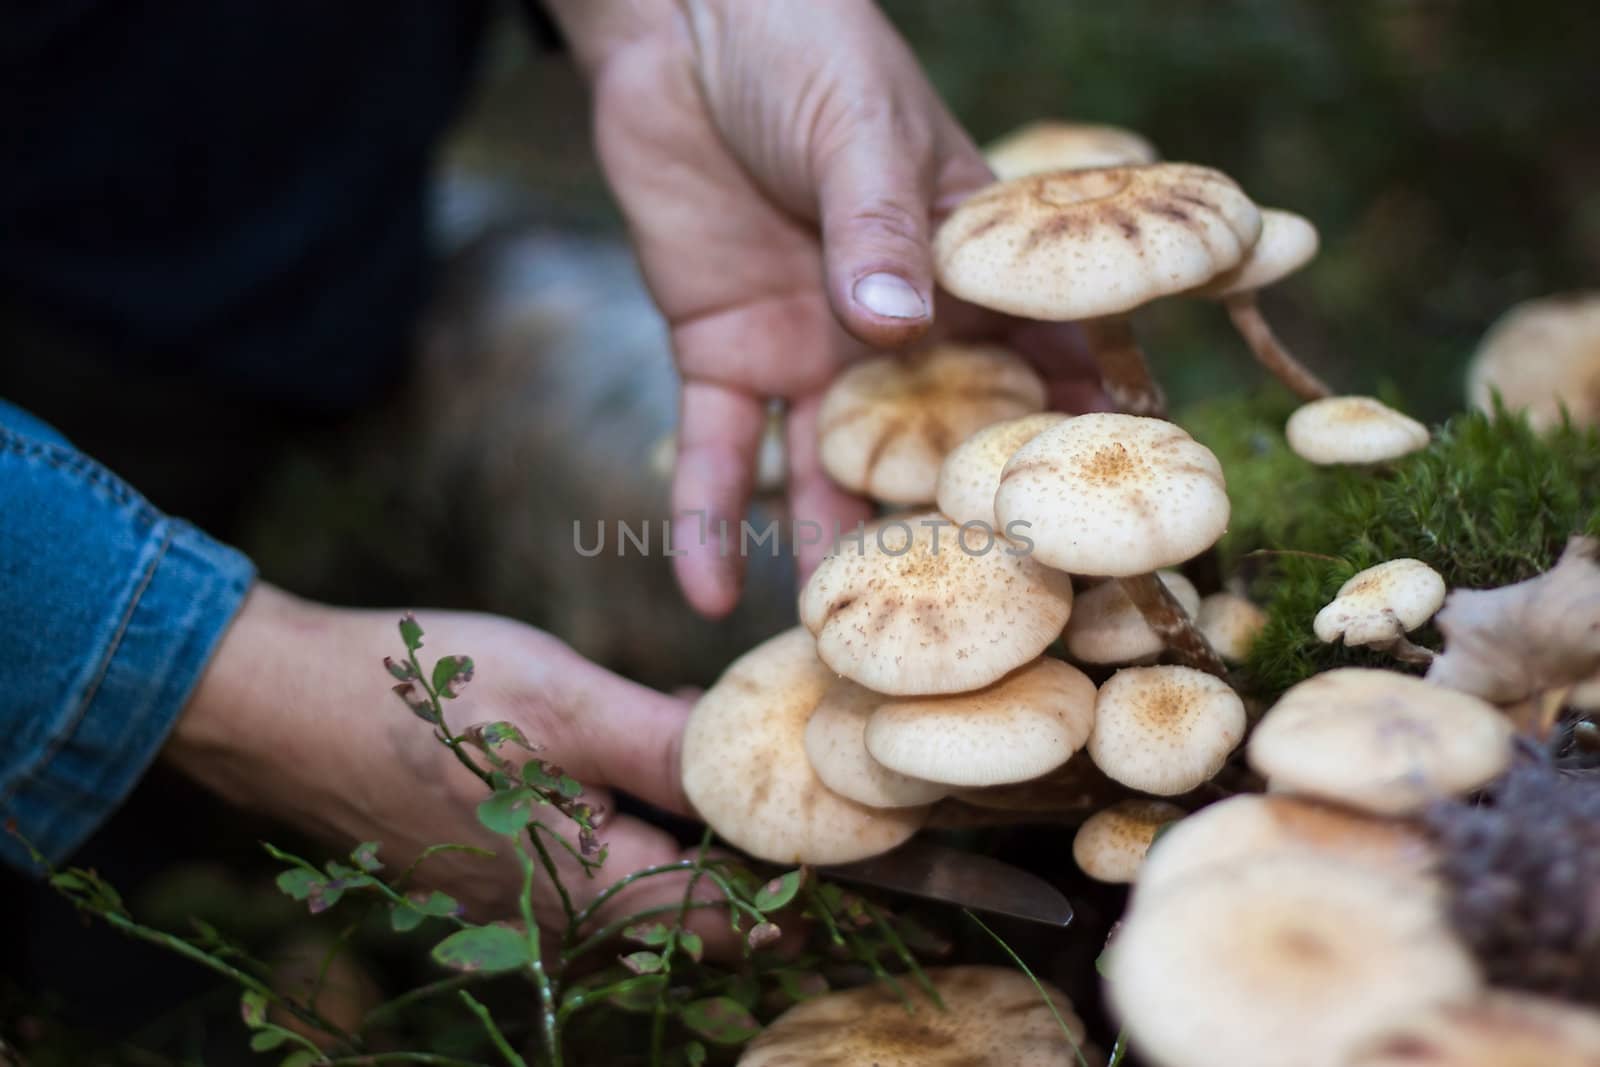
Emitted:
<point x="109" y="612"/>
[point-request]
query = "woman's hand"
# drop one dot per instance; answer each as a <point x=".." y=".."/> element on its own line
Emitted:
<point x="295" y="718"/>
<point x="780" y="166"/>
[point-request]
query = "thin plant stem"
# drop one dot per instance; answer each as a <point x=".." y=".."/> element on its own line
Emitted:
<point x="1119" y="1050"/>
<point x="1049" y="1001"/>
<point x="900" y="949"/>
<point x="549" y="1023"/>
<point x="611" y="930"/>
<point x="495" y="1036"/>
<point x="658" y="1015"/>
<point x="413" y="996"/>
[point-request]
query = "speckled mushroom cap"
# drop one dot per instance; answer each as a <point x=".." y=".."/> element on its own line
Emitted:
<point x="1380" y="741"/>
<point x="911" y="617"/>
<point x="1497" y="1029"/>
<point x="994" y="1017"/>
<point x="1025" y="725"/>
<point x="1285" y="960"/>
<point x="1050" y="145"/>
<point x="1352" y="429"/>
<point x="971" y="473"/>
<point x="1250" y="826"/>
<point x="1080" y="244"/>
<point x="1106" y="627"/>
<point x="1165" y="730"/>
<point x="886" y="424"/>
<point x="1111" y="844"/>
<point x="1288" y="241"/>
<point x="1114" y="494"/>
<point x="1231" y="623"/>
<point x="1539" y="356"/>
<point x="836" y="745"/>
<point x="1381" y="603"/>
<point x="745" y="768"/>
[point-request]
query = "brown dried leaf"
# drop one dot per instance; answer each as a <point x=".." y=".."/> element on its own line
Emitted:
<point x="1509" y="644"/>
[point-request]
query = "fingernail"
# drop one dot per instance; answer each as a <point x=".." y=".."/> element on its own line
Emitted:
<point x="890" y="296"/>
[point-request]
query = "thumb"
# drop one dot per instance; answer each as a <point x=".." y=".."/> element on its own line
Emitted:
<point x="629" y="737"/>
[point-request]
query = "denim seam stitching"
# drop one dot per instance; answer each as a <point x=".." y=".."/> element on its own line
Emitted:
<point x="68" y="461"/>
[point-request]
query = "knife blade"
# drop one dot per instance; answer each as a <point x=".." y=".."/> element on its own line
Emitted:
<point x="948" y="875"/>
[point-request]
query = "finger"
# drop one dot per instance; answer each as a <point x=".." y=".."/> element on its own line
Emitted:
<point x="819" y="506"/>
<point x="630" y="737"/>
<point x="719" y="435"/>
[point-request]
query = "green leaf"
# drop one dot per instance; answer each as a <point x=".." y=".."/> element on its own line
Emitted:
<point x="691" y="944"/>
<point x="570" y="787"/>
<point x="694" y="1054"/>
<point x="538" y="774"/>
<point x="437" y="904"/>
<point x="654" y="934"/>
<point x="400" y="672"/>
<point x="410" y="632"/>
<point x="267" y="1040"/>
<point x="253" y="1009"/>
<point x="365" y="856"/>
<point x="720" y="1019"/>
<point x="496" y="734"/>
<point x="802" y="985"/>
<point x="780" y="891"/>
<point x="507" y="812"/>
<point x="638" y="994"/>
<point x="302" y="1058"/>
<point x="487" y="949"/>
<point x="642" y="962"/>
<point x="404" y="918"/>
<point x="298" y="882"/>
<point x="67" y="881"/>
<point x="450" y="674"/>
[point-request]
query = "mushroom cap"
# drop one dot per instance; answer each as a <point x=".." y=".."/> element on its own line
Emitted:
<point x="1106" y="627"/>
<point x="745" y="768"/>
<point x="1498" y="1029"/>
<point x="1051" y="145"/>
<point x="1288" y="241"/>
<point x="1288" y="959"/>
<point x="994" y="1018"/>
<point x="1165" y="730"/>
<point x="1231" y="623"/>
<point x="1352" y="429"/>
<point x="1381" y="603"/>
<point x="1378" y="740"/>
<point x="1114" y="494"/>
<point x="837" y="748"/>
<point x="886" y="424"/>
<point x="1540" y="356"/>
<point x="1111" y="844"/>
<point x="909" y="615"/>
<point x="1080" y="244"/>
<point x="971" y="473"/>
<point x="1250" y="826"/>
<point x="1025" y="725"/>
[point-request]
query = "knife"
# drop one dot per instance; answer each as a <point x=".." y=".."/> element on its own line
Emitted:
<point x="948" y="875"/>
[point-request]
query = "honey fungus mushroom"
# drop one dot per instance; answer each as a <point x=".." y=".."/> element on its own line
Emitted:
<point x="1106" y="628"/>
<point x="1050" y="144"/>
<point x="1379" y="741"/>
<point x="993" y="1017"/>
<point x="1093" y="245"/>
<point x="1498" y="1029"/>
<point x="745" y="768"/>
<point x="1121" y="496"/>
<point x="1377" y="607"/>
<point x="1352" y="429"/>
<point x="886" y="424"/>
<point x="915" y="609"/>
<point x="1165" y="730"/>
<point x="1543" y="358"/>
<point x="836" y="745"/>
<point x="1111" y="844"/>
<point x="971" y="473"/>
<point x="1231" y="623"/>
<point x="1287" y="243"/>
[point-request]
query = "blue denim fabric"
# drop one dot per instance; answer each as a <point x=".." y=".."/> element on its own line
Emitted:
<point x="109" y="612"/>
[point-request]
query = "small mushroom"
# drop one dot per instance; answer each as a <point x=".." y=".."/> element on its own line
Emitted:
<point x="1352" y="429"/>
<point x="1111" y="844"/>
<point x="1287" y="243"/>
<point x="886" y="424"/>
<point x="916" y="610"/>
<point x="836" y="745"/>
<point x="745" y="768"/>
<point x="1051" y="145"/>
<point x="1165" y="730"/>
<point x="1231" y="623"/>
<point x="1121" y="496"/>
<point x="1379" y="741"/>
<point x="1497" y="1029"/>
<point x="1282" y="960"/>
<point x="1025" y="725"/>
<point x="1377" y="607"/>
<point x="1542" y="356"/>
<point x="992" y="1017"/>
<point x="971" y="473"/>
<point x="1093" y="245"/>
<point x="1249" y="826"/>
<point x="1106" y="627"/>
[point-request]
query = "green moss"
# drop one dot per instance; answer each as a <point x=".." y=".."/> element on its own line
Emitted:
<point x="1488" y="503"/>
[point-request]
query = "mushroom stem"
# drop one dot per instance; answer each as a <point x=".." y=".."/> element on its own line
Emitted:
<point x="1405" y="650"/>
<point x="1167" y="618"/>
<point x="1269" y="351"/>
<point x="1124" y="373"/>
